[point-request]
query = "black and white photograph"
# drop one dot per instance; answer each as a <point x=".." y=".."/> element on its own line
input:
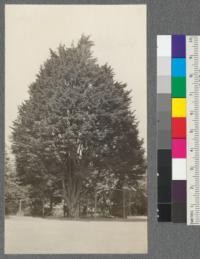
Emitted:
<point x="75" y="178"/>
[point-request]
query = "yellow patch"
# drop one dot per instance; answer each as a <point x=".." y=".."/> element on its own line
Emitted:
<point x="178" y="107"/>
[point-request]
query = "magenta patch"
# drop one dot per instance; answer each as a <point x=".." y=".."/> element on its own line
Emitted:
<point x="179" y="148"/>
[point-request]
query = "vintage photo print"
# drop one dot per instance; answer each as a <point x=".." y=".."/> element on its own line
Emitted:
<point x="75" y="129"/>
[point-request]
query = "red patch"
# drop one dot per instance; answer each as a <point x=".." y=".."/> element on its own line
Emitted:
<point x="178" y="127"/>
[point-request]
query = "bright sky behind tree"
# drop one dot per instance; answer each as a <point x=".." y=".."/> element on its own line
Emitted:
<point x="119" y="34"/>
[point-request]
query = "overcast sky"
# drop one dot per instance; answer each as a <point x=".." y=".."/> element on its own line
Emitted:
<point x="119" y="34"/>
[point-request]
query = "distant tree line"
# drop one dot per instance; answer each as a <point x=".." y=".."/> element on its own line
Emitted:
<point x="75" y="141"/>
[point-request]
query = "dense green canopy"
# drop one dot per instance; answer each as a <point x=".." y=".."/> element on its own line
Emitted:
<point x="76" y="134"/>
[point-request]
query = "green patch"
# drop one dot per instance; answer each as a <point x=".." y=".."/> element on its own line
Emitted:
<point x="179" y="87"/>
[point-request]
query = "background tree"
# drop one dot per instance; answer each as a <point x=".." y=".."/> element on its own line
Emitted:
<point x="76" y="131"/>
<point x="13" y="191"/>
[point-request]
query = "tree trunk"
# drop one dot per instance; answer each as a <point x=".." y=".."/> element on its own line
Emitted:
<point x="71" y="196"/>
<point x="50" y="206"/>
<point x="43" y="213"/>
<point x="74" y="210"/>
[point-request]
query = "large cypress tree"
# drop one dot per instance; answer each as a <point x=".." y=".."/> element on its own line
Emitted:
<point x="76" y="130"/>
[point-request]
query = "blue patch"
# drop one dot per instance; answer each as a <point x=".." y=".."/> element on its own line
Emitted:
<point x="178" y="67"/>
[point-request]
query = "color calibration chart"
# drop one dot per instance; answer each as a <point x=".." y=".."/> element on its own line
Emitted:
<point x="178" y="128"/>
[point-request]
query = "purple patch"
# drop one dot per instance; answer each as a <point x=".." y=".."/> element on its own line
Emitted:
<point x="178" y="46"/>
<point x="179" y="191"/>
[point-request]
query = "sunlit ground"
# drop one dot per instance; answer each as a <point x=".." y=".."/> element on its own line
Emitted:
<point x="28" y="235"/>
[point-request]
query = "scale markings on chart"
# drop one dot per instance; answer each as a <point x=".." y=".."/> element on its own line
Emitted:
<point x="193" y="129"/>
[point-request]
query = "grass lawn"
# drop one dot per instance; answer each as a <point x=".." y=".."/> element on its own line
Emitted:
<point x="28" y="235"/>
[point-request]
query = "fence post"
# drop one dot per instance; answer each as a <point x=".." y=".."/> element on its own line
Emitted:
<point x="124" y="204"/>
<point x="95" y="204"/>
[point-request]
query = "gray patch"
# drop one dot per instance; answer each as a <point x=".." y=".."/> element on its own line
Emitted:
<point x="164" y="84"/>
<point x="164" y="102"/>
<point x="163" y="66"/>
<point x="164" y="121"/>
<point x="164" y="139"/>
